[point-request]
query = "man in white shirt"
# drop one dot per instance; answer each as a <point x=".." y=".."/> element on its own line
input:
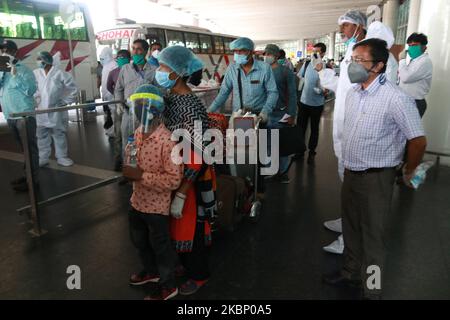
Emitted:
<point x="416" y="71"/>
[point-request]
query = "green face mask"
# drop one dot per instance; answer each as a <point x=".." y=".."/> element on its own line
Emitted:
<point x="139" y="59"/>
<point x="281" y="61"/>
<point x="121" y="61"/>
<point x="415" y="51"/>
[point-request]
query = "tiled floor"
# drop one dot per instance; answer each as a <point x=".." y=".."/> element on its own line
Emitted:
<point x="281" y="257"/>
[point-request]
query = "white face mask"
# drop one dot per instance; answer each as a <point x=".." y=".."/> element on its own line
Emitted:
<point x="155" y="54"/>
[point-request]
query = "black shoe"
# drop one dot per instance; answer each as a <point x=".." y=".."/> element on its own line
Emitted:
<point x="311" y="158"/>
<point x="118" y="166"/>
<point x="123" y="181"/>
<point x="284" y="178"/>
<point x="108" y="123"/>
<point x="298" y="156"/>
<point x="19" y="181"/>
<point x="274" y="178"/>
<point x="23" y="187"/>
<point x="337" y="280"/>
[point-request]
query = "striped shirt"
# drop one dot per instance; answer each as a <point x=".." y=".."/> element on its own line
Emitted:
<point x="378" y="123"/>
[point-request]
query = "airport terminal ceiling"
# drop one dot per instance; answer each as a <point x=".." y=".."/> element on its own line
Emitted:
<point x="271" y="20"/>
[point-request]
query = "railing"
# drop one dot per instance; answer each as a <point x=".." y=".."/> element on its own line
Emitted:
<point x="33" y="208"/>
<point x="438" y="157"/>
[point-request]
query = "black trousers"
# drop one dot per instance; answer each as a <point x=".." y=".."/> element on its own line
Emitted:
<point x="196" y="262"/>
<point x="306" y="115"/>
<point x="421" y="106"/>
<point x="366" y="201"/>
<point x="150" y="235"/>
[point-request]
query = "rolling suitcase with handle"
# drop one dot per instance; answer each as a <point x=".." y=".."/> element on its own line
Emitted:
<point x="232" y="201"/>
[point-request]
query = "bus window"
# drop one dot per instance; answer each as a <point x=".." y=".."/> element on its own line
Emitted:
<point x="17" y="20"/>
<point x="156" y="35"/>
<point x="53" y="28"/>
<point x="227" y="42"/>
<point x="175" y="38"/>
<point x="206" y="44"/>
<point x="192" y="42"/>
<point x="218" y="45"/>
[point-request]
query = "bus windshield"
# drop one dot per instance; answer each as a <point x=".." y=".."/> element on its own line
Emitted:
<point x="26" y="20"/>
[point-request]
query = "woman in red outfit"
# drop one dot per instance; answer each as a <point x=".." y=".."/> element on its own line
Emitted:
<point x="194" y="204"/>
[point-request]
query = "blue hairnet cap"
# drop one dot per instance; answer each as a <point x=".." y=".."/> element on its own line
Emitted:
<point x="8" y="44"/>
<point x="151" y="92"/>
<point x="46" y="57"/>
<point x="272" y="49"/>
<point x="148" y="88"/>
<point x="242" y="44"/>
<point x="181" y="60"/>
<point x="354" y="17"/>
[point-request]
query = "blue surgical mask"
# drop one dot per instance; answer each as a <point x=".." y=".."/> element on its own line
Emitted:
<point x="352" y="39"/>
<point x="163" y="79"/>
<point x="240" y="59"/>
<point x="269" y="59"/>
<point x="40" y="64"/>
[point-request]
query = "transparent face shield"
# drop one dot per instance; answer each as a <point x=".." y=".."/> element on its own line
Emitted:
<point x="146" y="110"/>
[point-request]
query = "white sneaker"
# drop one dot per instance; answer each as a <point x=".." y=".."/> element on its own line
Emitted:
<point x="43" y="162"/>
<point x="334" y="225"/>
<point x="65" y="162"/>
<point x="337" y="247"/>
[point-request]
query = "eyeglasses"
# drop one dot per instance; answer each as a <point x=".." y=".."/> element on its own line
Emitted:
<point x="359" y="60"/>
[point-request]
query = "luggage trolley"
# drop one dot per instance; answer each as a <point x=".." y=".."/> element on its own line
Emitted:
<point x="246" y="122"/>
<point x="237" y="183"/>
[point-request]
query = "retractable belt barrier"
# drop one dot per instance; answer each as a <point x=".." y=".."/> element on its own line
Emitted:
<point x="33" y="208"/>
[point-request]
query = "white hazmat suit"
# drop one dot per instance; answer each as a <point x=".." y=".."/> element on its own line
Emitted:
<point x="55" y="89"/>
<point x="381" y="31"/>
<point x="341" y="85"/>
<point x="109" y="64"/>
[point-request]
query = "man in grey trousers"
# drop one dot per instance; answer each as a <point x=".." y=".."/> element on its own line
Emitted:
<point x="380" y="119"/>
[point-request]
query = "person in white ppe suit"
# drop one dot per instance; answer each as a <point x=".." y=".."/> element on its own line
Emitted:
<point x="378" y="30"/>
<point x="353" y="26"/>
<point x="109" y="64"/>
<point x="381" y="31"/>
<point x="56" y="88"/>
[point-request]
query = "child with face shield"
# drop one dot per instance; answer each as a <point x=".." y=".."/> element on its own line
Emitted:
<point x="154" y="177"/>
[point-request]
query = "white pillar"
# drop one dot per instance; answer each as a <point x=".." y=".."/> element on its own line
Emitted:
<point x="434" y="23"/>
<point x="390" y="14"/>
<point x="414" y="15"/>
<point x="332" y="46"/>
<point x="115" y="6"/>
<point x="301" y="47"/>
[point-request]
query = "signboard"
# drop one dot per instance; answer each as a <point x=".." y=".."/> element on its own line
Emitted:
<point x="310" y="48"/>
<point x="299" y="54"/>
<point x="115" y="34"/>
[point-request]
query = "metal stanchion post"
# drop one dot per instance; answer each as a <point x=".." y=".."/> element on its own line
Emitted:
<point x="81" y="100"/>
<point x="36" y="231"/>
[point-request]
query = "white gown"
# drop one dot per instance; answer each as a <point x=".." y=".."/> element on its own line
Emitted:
<point x="55" y="89"/>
